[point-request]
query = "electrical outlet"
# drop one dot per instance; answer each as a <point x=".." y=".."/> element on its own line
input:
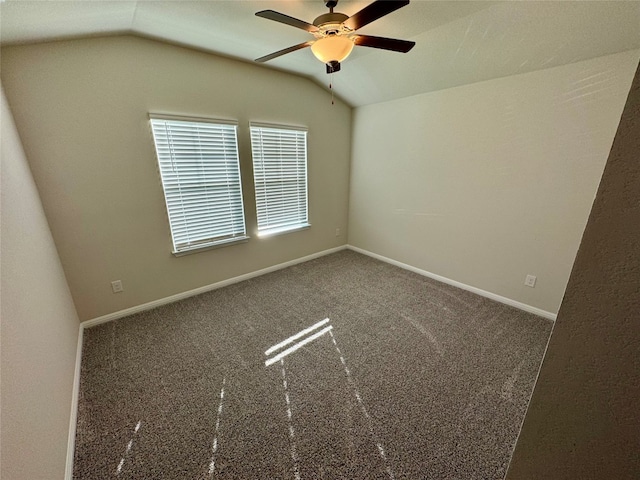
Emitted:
<point x="530" y="281"/>
<point x="337" y="232"/>
<point x="116" y="286"/>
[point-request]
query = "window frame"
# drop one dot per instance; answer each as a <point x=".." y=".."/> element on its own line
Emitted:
<point x="180" y="223"/>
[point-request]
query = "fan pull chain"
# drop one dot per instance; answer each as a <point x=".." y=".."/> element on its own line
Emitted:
<point x="331" y="86"/>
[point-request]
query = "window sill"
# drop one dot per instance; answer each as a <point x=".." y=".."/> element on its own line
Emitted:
<point x="281" y="231"/>
<point x="211" y="246"/>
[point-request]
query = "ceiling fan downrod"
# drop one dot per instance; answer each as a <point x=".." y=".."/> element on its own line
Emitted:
<point x="331" y="4"/>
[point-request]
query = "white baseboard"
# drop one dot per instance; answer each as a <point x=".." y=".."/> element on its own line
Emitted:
<point x="73" y="418"/>
<point x="207" y="288"/>
<point x="448" y="281"/>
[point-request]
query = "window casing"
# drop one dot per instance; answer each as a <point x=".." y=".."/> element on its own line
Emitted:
<point x="200" y="172"/>
<point x="280" y="178"/>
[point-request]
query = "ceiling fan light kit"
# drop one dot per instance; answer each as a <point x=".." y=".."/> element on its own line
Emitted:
<point x="332" y="49"/>
<point x="335" y="32"/>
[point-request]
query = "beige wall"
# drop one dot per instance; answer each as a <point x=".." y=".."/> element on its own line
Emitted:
<point x="583" y="418"/>
<point x="39" y="329"/>
<point x="489" y="182"/>
<point x="82" y="107"/>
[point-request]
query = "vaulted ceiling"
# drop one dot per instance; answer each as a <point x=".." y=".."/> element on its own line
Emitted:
<point x="457" y="42"/>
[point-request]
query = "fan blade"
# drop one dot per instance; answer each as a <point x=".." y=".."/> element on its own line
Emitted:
<point x="287" y="20"/>
<point x="284" y="51"/>
<point x="384" y="43"/>
<point x="372" y="12"/>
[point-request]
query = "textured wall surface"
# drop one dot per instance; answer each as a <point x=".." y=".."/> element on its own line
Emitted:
<point x="82" y="108"/>
<point x="583" y="419"/>
<point x="489" y="182"/>
<point x="39" y="327"/>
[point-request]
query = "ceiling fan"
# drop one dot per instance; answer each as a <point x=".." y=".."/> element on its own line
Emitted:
<point x="335" y="34"/>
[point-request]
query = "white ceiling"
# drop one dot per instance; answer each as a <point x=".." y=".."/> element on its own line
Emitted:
<point x="457" y="42"/>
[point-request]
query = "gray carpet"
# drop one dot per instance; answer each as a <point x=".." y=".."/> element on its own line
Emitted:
<point x="415" y="379"/>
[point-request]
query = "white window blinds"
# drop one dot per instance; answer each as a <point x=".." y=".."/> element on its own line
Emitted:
<point x="280" y="176"/>
<point x="201" y="180"/>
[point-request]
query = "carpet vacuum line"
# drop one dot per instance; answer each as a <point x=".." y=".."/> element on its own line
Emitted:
<point x="214" y="448"/>
<point x="292" y="435"/>
<point x="381" y="451"/>
<point x="280" y="357"/>
<point x="129" y="445"/>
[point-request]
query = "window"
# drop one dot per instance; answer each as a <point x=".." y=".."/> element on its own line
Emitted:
<point x="280" y="176"/>
<point x="200" y="173"/>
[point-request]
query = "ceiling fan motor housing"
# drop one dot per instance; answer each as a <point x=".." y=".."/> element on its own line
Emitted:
<point x="330" y="19"/>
